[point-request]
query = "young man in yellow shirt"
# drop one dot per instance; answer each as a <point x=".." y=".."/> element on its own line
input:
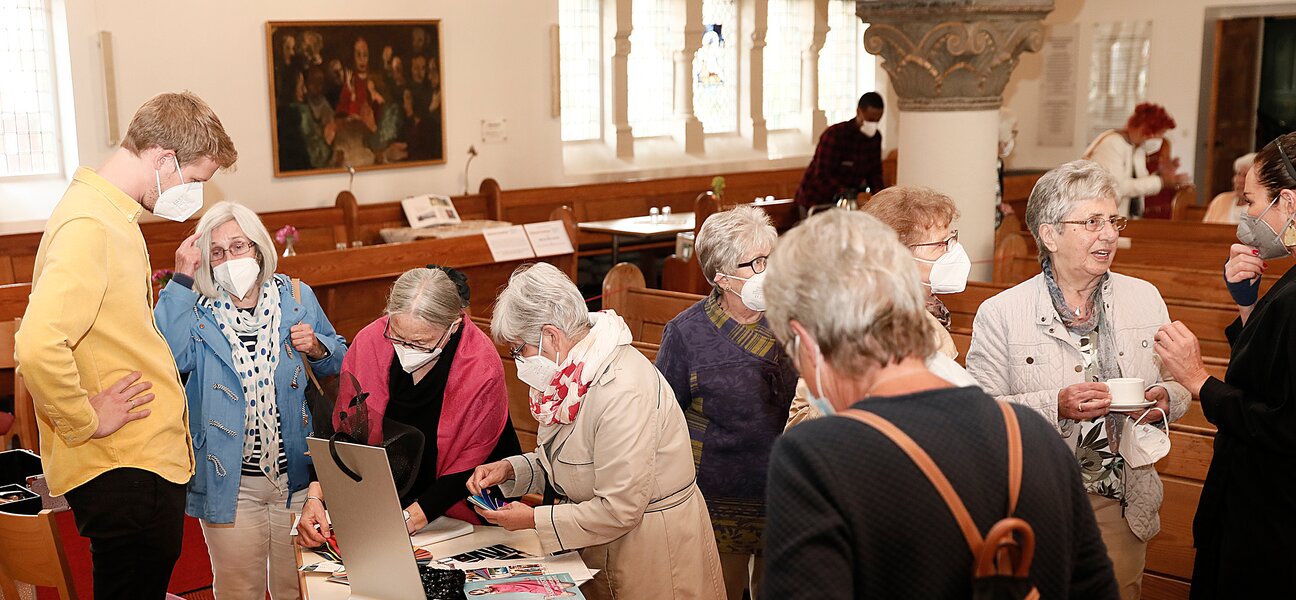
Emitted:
<point x="114" y="432"/>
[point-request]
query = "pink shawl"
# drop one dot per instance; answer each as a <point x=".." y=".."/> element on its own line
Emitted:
<point x="474" y="409"/>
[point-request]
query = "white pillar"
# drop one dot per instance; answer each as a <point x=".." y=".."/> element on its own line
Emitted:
<point x="816" y="120"/>
<point x="751" y="106"/>
<point x="688" y="131"/>
<point x="961" y="166"/>
<point x="617" y="21"/>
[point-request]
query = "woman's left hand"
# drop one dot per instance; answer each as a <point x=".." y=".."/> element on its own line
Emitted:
<point x="1159" y="395"/>
<point x="417" y="519"/>
<point x="304" y="340"/>
<point x="1181" y="355"/>
<point x="513" y="516"/>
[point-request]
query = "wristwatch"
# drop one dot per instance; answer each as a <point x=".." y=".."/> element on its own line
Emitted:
<point x="406" y="513"/>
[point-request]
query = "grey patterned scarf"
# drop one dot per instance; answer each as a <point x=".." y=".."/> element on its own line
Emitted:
<point x="1096" y="318"/>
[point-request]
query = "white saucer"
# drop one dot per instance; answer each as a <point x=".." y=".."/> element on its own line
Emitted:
<point x="1131" y="407"/>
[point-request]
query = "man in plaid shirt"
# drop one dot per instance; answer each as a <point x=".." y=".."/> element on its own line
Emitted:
<point x="848" y="158"/>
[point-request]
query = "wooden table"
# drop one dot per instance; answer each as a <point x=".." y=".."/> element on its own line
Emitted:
<point x="315" y="587"/>
<point x="638" y="227"/>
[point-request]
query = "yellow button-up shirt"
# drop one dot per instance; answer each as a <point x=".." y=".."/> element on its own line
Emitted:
<point x="89" y="323"/>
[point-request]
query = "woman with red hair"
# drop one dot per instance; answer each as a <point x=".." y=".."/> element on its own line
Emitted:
<point x="1124" y="153"/>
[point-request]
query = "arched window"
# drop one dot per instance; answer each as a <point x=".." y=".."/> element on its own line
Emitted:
<point x="715" y="68"/>
<point x="651" y="66"/>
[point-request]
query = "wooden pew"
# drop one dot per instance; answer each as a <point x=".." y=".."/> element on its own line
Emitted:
<point x="599" y="201"/>
<point x="352" y="284"/>
<point x="364" y="221"/>
<point x="646" y="311"/>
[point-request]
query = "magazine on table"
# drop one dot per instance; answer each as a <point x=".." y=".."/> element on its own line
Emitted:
<point x="529" y="587"/>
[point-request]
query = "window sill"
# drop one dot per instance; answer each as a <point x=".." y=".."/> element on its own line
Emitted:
<point x="26" y="202"/>
<point x="592" y="161"/>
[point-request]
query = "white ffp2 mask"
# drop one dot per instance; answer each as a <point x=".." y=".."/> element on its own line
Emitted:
<point x="949" y="273"/>
<point x="412" y="360"/>
<point x="753" y="292"/>
<point x="179" y="202"/>
<point x="1144" y="444"/>
<point x="536" y="371"/>
<point x="869" y="128"/>
<point x="237" y="275"/>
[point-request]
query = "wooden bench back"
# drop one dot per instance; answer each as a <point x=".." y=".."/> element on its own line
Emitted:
<point x="646" y="311"/>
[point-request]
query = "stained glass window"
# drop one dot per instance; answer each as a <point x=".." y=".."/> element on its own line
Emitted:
<point x="651" y="66"/>
<point x="846" y="71"/>
<point x="715" y="68"/>
<point x="788" y="37"/>
<point x="28" y="113"/>
<point x="578" y="49"/>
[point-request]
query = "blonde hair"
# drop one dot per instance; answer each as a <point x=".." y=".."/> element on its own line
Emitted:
<point x="253" y="229"/>
<point x="844" y="276"/>
<point x="911" y="210"/>
<point x="184" y="123"/>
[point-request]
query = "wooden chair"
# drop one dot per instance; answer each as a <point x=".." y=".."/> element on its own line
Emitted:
<point x="24" y="424"/>
<point x="33" y="554"/>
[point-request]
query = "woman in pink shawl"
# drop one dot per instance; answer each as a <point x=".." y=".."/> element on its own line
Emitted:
<point x="425" y="364"/>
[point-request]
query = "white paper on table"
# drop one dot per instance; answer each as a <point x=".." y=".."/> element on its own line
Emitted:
<point x="549" y="238"/>
<point x="508" y="243"/>
<point x="439" y="530"/>
<point x="326" y="566"/>
<point x="428" y="210"/>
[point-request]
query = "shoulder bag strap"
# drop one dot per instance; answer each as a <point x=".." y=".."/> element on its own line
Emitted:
<point x="929" y="468"/>
<point x="1014" y="455"/>
<point x="296" y="287"/>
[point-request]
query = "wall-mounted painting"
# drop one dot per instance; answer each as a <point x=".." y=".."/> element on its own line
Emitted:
<point x="361" y="94"/>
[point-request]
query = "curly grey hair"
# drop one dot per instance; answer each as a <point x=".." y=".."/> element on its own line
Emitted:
<point x="1058" y="192"/>
<point x="846" y="278"/>
<point x="537" y="295"/>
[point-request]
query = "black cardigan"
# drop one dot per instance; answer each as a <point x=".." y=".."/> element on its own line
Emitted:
<point x="850" y="516"/>
<point x="1245" y="528"/>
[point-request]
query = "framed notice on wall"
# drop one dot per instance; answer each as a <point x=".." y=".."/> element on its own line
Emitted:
<point x="362" y="94"/>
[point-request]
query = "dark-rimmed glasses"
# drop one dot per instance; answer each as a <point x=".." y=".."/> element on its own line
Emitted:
<point x="757" y="264"/>
<point x="1096" y="223"/>
<point x="413" y="346"/>
<point x="948" y="242"/>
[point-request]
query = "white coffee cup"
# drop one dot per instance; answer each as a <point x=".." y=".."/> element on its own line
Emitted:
<point x="1126" y="391"/>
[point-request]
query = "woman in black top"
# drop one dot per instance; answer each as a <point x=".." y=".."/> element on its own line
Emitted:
<point x="1245" y="528"/>
<point x="849" y="515"/>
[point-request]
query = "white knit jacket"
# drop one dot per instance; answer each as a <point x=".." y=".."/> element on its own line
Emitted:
<point x="1022" y="353"/>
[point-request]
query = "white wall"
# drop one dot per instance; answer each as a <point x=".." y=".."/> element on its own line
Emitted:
<point x="1174" y="72"/>
<point x="495" y="65"/>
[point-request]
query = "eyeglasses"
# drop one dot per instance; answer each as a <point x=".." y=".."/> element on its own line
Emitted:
<point x="413" y="346"/>
<point x="757" y="264"/>
<point x="238" y="248"/>
<point x="515" y="352"/>
<point x="1097" y="223"/>
<point x="948" y="242"/>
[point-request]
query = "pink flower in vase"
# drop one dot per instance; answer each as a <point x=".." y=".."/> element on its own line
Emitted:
<point x="286" y="234"/>
<point x="162" y="276"/>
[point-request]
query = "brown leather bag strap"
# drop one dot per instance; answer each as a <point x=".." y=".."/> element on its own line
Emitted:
<point x="310" y="373"/>
<point x="1014" y="455"/>
<point x="929" y="468"/>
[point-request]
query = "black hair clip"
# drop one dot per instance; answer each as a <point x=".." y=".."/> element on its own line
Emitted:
<point x="460" y="280"/>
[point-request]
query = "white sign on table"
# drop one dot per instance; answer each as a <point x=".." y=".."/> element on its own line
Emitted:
<point x="508" y="243"/>
<point x="549" y="238"/>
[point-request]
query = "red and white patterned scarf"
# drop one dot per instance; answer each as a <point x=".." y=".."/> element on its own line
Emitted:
<point x="560" y="402"/>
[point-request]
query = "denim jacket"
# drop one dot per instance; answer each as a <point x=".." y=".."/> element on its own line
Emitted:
<point x="216" y="404"/>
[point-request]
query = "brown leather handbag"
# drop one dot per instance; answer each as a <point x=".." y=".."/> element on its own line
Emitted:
<point x="1002" y="559"/>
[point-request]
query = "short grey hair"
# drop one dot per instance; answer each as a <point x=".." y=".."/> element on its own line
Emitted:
<point x="847" y="279"/>
<point x="725" y="236"/>
<point x="426" y="294"/>
<point x="1058" y="192"/>
<point x="1244" y="162"/>
<point x="220" y="214"/>
<point x="537" y="295"/>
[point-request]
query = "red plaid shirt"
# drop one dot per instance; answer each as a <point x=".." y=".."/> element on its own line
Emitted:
<point x="845" y="159"/>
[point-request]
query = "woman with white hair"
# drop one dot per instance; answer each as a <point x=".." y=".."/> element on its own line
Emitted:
<point x="1228" y="207"/>
<point x="424" y="364"/>
<point x="722" y="350"/>
<point x="849" y="514"/>
<point x="613" y="446"/>
<point x="235" y="327"/>
<point x="1054" y="341"/>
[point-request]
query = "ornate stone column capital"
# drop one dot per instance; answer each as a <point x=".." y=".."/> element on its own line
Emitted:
<point x="952" y="54"/>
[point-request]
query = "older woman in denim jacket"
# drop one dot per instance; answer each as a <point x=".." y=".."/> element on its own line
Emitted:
<point x="237" y="332"/>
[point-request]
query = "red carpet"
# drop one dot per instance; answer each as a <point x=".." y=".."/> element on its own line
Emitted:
<point x="192" y="571"/>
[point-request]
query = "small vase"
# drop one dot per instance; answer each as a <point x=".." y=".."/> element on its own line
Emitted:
<point x="288" y="251"/>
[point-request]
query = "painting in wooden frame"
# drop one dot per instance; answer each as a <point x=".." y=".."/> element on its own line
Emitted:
<point x="362" y="94"/>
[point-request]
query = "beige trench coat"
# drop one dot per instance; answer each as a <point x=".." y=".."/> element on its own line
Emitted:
<point x="625" y="467"/>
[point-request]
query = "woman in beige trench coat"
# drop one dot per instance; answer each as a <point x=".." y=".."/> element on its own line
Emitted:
<point x="612" y="444"/>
